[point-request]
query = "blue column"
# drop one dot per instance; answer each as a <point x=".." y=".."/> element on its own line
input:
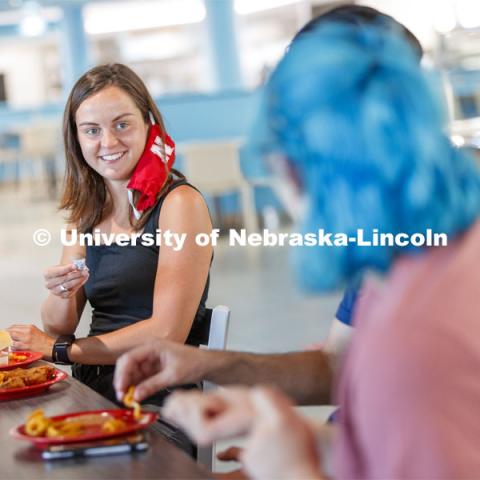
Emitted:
<point x="75" y="48"/>
<point x="223" y="47"/>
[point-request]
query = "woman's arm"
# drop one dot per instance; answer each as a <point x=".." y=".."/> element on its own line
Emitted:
<point x="179" y="284"/>
<point x="61" y="311"/>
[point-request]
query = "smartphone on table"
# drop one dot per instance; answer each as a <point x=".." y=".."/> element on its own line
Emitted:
<point x="133" y="443"/>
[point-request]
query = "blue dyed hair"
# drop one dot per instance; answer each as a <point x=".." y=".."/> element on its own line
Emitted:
<point x="357" y="118"/>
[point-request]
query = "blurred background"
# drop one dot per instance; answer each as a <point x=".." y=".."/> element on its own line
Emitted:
<point x="204" y="61"/>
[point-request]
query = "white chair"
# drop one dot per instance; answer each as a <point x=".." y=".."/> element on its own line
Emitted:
<point x="9" y="157"/>
<point x="40" y="145"/>
<point x="219" y="322"/>
<point x="217" y="340"/>
<point x="214" y="168"/>
<point x="212" y="335"/>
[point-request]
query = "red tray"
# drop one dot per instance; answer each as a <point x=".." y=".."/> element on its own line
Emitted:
<point x="93" y="430"/>
<point x="14" y="393"/>
<point x="31" y="357"/>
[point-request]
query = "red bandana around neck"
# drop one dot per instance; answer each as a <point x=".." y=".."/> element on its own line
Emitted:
<point x="152" y="169"/>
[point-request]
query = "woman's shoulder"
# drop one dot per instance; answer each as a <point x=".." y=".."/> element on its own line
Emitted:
<point x="182" y="202"/>
<point x="185" y="201"/>
<point x="183" y="195"/>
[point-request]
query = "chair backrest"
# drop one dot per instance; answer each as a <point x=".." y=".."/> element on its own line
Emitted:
<point x="212" y="334"/>
<point x="219" y="322"/>
<point x="217" y="340"/>
<point x="213" y="167"/>
<point x="40" y="140"/>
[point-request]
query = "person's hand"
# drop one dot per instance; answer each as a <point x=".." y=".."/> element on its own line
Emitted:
<point x="207" y="417"/>
<point x="157" y="365"/>
<point x="231" y="454"/>
<point x="29" y="337"/>
<point x="65" y="280"/>
<point x="232" y="475"/>
<point x="281" y="443"/>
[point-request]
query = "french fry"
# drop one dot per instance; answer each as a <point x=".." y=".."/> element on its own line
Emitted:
<point x="37" y="424"/>
<point x="65" y="429"/>
<point x="129" y="402"/>
<point x="16" y="357"/>
<point x="113" y="425"/>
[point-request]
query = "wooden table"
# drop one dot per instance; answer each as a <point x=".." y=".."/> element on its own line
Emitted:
<point x="18" y="459"/>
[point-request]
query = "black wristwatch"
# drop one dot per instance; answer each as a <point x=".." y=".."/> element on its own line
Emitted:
<point x="60" y="349"/>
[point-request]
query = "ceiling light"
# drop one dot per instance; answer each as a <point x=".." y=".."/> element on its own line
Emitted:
<point x="468" y="13"/>
<point x="245" y="7"/>
<point x="33" y="23"/>
<point x="110" y="17"/>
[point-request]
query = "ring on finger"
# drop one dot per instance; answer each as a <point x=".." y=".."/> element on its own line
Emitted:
<point x="63" y="288"/>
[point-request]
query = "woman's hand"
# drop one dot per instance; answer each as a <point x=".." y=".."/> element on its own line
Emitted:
<point x="281" y="443"/>
<point x="65" y="280"/>
<point x="29" y="337"/>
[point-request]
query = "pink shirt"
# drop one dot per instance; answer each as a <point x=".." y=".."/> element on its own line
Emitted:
<point x="410" y="385"/>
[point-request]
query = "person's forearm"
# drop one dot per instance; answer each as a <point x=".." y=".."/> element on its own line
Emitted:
<point x="59" y="316"/>
<point x="105" y="349"/>
<point x="304" y="376"/>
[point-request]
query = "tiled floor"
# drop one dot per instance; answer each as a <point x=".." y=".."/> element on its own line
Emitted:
<point x="269" y="314"/>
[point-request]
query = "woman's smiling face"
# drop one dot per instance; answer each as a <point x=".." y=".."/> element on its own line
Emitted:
<point x="111" y="132"/>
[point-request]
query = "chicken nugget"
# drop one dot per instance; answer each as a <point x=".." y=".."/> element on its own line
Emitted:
<point x="39" y="375"/>
<point x="13" y="382"/>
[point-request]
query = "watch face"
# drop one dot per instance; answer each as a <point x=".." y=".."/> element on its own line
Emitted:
<point x="60" y="353"/>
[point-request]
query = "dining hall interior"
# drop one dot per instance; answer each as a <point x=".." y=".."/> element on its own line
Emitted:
<point x="205" y="63"/>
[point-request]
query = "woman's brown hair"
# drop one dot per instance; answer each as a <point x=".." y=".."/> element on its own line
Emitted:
<point x="85" y="194"/>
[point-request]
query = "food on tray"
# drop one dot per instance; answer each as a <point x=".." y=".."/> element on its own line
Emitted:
<point x="17" y="357"/>
<point x="21" y="377"/>
<point x="129" y="402"/>
<point x="65" y="429"/>
<point x="5" y="339"/>
<point x="38" y="425"/>
<point x="5" y="344"/>
<point x="113" y="425"/>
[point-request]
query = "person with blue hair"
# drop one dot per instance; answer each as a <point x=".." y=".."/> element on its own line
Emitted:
<point x="306" y="376"/>
<point x="358" y="127"/>
<point x="360" y="16"/>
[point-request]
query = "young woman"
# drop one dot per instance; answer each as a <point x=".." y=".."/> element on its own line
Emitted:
<point x="119" y="180"/>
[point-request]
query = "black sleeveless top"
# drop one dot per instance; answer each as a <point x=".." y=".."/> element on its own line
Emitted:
<point x="122" y="278"/>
